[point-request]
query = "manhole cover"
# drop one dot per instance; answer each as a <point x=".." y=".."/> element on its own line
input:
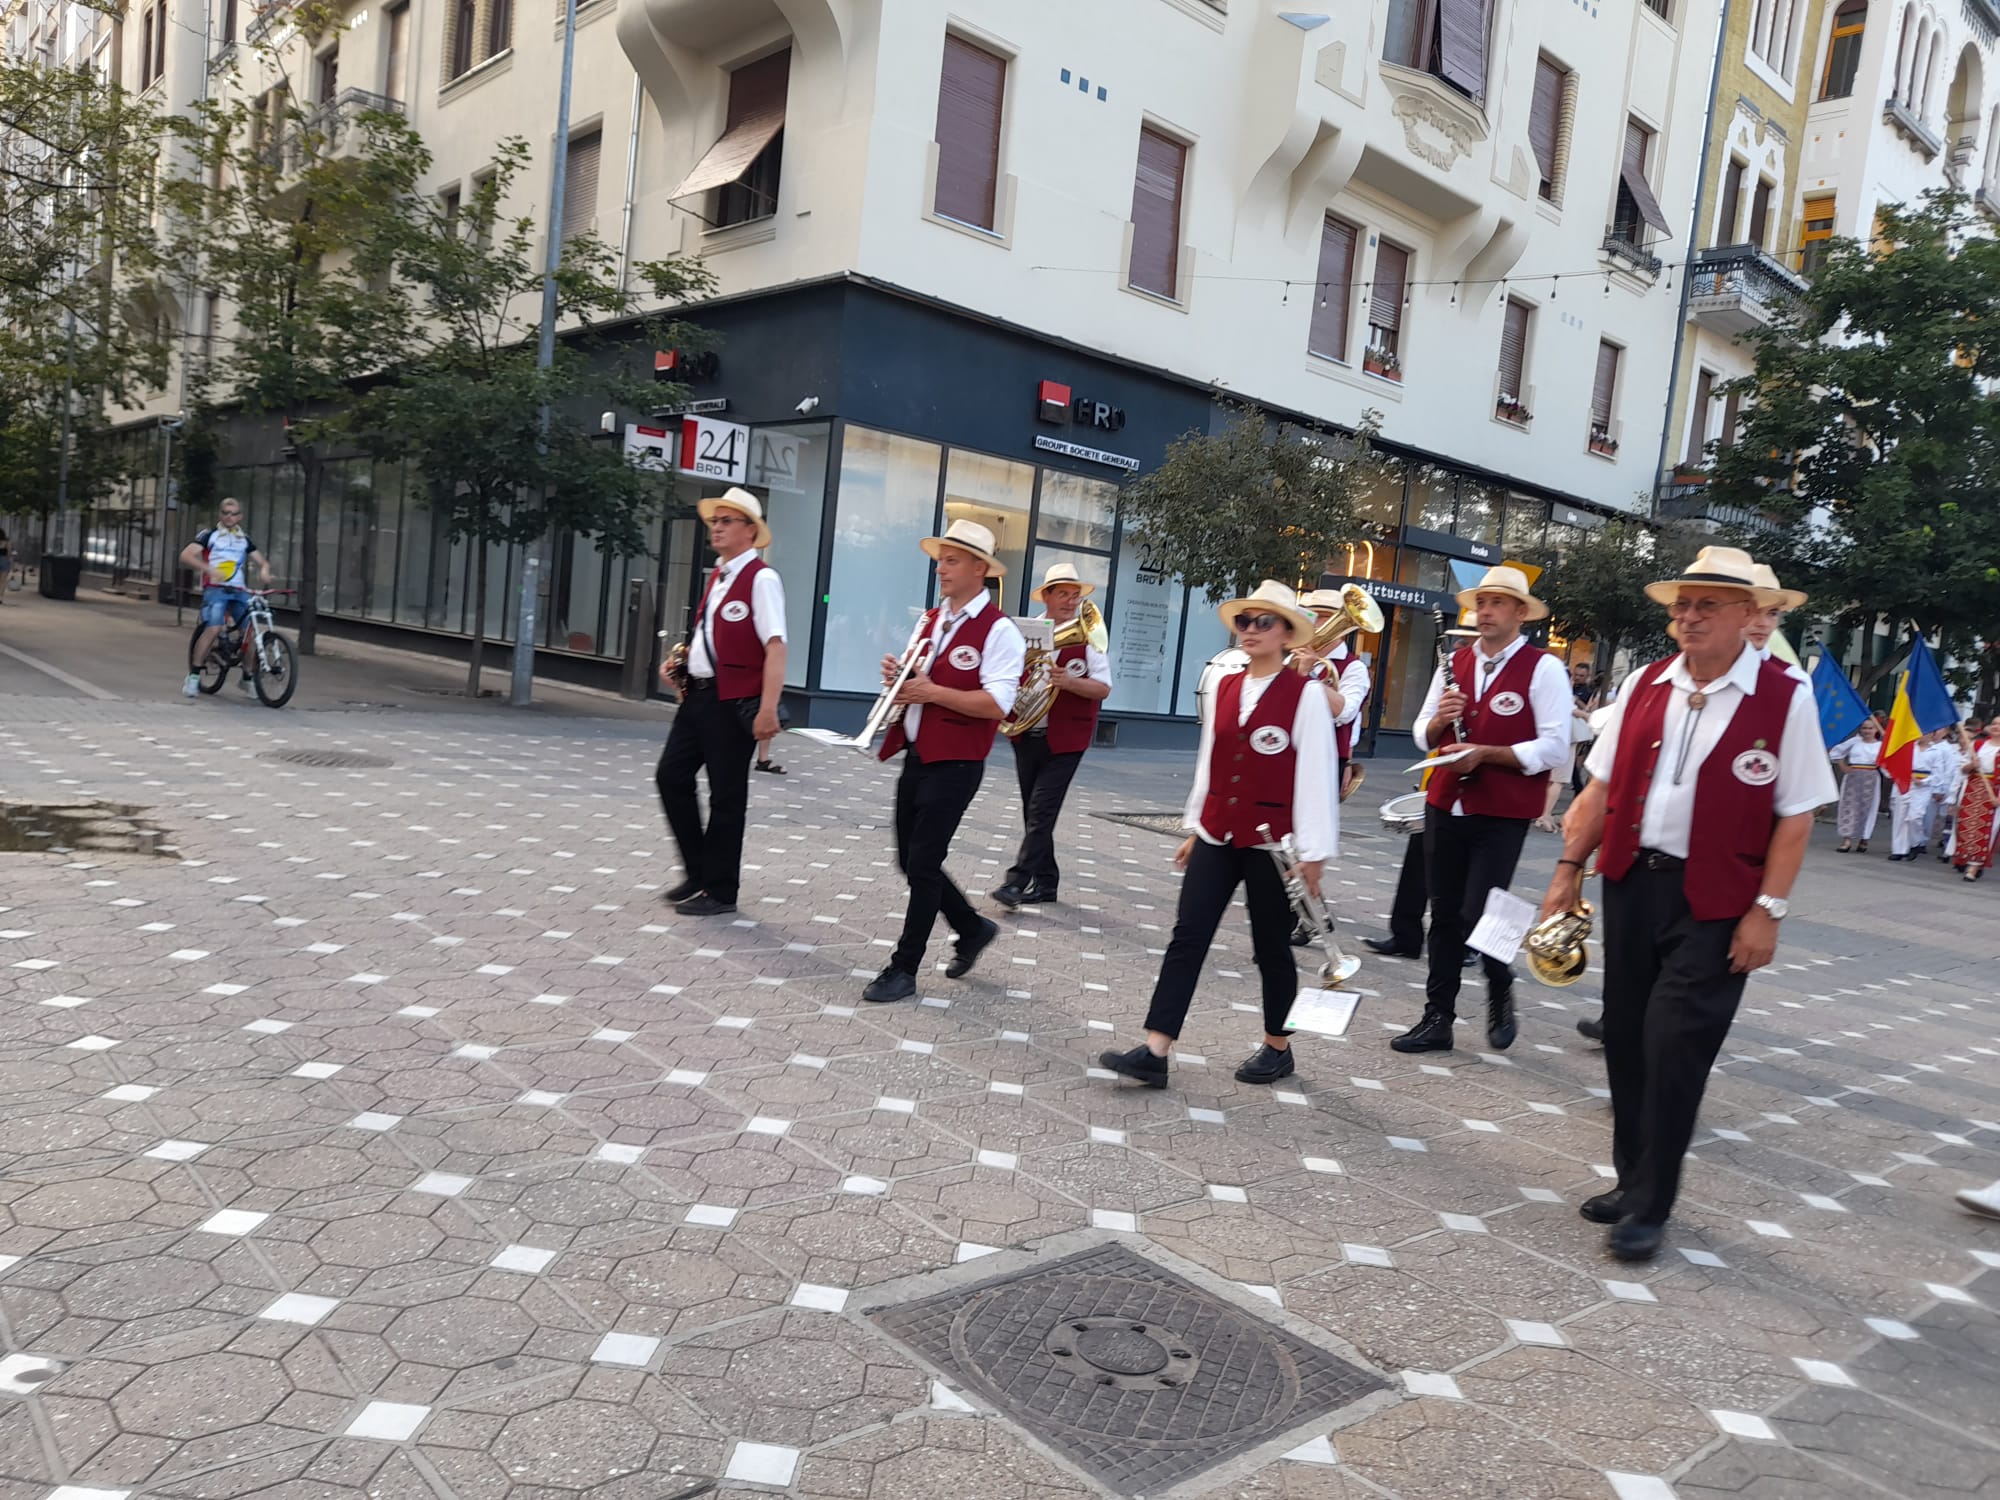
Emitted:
<point x="347" y="760"/>
<point x="1134" y="1374"/>
<point x="1174" y="823"/>
<point x="63" y="828"/>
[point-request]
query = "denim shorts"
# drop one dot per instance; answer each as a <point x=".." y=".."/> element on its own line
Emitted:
<point x="218" y="604"/>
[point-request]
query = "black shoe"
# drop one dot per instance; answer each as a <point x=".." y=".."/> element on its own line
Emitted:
<point x="966" y="951"/>
<point x="1470" y="960"/>
<point x="1605" y="1208"/>
<point x="1302" y="936"/>
<point x="1266" y="1065"/>
<point x="1140" y="1065"/>
<point x="1388" y="947"/>
<point x="1501" y="1028"/>
<point x="1010" y="895"/>
<point x="1039" y="895"/>
<point x="891" y="984"/>
<point x="1591" y="1027"/>
<point x="1431" y="1034"/>
<point x="704" y="905"/>
<point x="1631" y="1240"/>
<point x="681" y="892"/>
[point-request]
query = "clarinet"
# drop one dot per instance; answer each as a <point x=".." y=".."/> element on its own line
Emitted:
<point x="1450" y="678"/>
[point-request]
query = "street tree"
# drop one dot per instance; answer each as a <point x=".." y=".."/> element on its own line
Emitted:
<point x="1597" y="590"/>
<point x="1257" y="499"/>
<point x="1869" y="442"/>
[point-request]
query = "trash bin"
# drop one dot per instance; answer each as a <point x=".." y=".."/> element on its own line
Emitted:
<point x="60" y="576"/>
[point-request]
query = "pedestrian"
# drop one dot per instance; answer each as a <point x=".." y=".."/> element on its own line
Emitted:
<point x="1860" y="785"/>
<point x="6" y="565"/>
<point x="1704" y="781"/>
<point x="1260" y="774"/>
<point x="728" y="704"/>
<point x="1972" y="836"/>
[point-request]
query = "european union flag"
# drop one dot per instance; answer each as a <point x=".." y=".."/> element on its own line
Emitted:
<point x="1841" y="709"/>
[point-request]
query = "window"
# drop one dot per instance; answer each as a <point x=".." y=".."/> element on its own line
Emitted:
<point x="499" y="26"/>
<point x="1774" y="26"/>
<point x="1445" y="38"/>
<point x="153" y="43"/>
<point x="326" y="76"/>
<point x="1636" y="212"/>
<point x="465" y="22"/>
<point x="1156" y="214"/>
<point x="742" y="168"/>
<point x="876" y="580"/>
<point x="1704" y="398"/>
<point x="580" y="185"/>
<point x="1545" y="121"/>
<point x="1335" y="290"/>
<point x="1385" y="309"/>
<point x="1843" y="53"/>
<point x="1815" y="229"/>
<point x="228" y="22"/>
<point x="1732" y="203"/>
<point x="450" y="202"/>
<point x="1603" y="397"/>
<point x="970" y="93"/>
<point x="1760" y="213"/>
<point x="393" y="86"/>
<point x="1511" y="404"/>
<point x="1908" y="45"/>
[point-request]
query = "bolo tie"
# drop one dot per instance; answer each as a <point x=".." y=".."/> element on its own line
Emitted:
<point x="1697" y="701"/>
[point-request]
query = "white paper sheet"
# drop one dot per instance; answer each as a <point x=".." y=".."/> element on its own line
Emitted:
<point x="1503" y="925"/>
<point x="1440" y="760"/>
<point x="824" y="736"/>
<point x="1322" y="1012"/>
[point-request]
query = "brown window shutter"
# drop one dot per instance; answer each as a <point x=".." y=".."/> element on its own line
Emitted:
<point x="1605" y="386"/>
<point x="970" y="92"/>
<point x="1513" y="349"/>
<point x="1385" y="297"/>
<point x="160" y="39"/>
<point x="580" y="185"/>
<point x="1462" y="44"/>
<point x="758" y="88"/>
<point x="465" y="17"/>
<point x="1637" y="139"/>
<point x="1544" y="114"/>
<point x="1333" y="292"/>
<point x="1704" y="393"/>
<point x="1729" y="412"/>
<point x="1760" y="212"/>
<point x="1156" y="214"/>
<point x="499" y="26"/>
<point x="1732" y="203"/>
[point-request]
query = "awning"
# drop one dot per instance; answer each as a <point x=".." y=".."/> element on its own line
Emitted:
<point x="1642" y="196"/>
<point x="730" y="157"/>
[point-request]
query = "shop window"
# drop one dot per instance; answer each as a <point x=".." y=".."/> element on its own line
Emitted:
<point x="1523" y="531"/>
<point x="1843" y="51"/>
<point x="971" y="91"/>
<point x="1382" y="502"/>
<point x="998" y="494"/>
<point x="879" y="579"/>
<point x="1815" y="233"/>
<point x="743" y="167"/>
<point x="788" y="470"/>
<point x="1434" y="498"/>
<point x="1403" y="676"/>
<point x="1147" y="605"/>
<point x="1156" y="215"/>
<point x="1327" y="336"/>
<point x="1478" y="512"/>
<point x="1076" y="511"/>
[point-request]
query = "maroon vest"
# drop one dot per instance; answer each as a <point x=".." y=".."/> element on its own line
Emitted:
<point x="1072" y="717"/>
<point x="737" y="654"/>
<point x="1343" y="734"/>
<point x="1734" y="792"/>
<point x="943" y="734"/>
<point x="1504" y="715"/>
<point x="1253" y="767"/>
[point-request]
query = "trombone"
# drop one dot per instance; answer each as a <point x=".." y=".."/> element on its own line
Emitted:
<point x="1336" y="967"/>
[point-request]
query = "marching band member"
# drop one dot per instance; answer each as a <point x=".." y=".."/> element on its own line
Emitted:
<point x="1046" y="757"/>
<point x="1858" y="757"/>
<point x="1262" y="761"/>
<point x="1767" y="617"/>
<point x="1972" y="839"/>
<point x="1514" y="703"/>
<point x="1344" y="673"/>
<point x="954" y="711"/>
<point x="735" y="677"/>
<point x="1703" y="785"/>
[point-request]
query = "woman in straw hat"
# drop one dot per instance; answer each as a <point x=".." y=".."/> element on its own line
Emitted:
<point x="1260" y="773"/>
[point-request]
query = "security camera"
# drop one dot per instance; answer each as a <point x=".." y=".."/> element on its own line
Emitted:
<point x="808" y="404"/>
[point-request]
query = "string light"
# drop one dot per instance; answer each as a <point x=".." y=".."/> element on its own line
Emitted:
<point x="1667" y="267"/>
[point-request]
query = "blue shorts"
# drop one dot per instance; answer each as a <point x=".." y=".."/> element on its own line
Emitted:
<point x="219" y="603"/>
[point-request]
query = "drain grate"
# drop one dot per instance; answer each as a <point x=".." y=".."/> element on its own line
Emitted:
<point x="346" y="760"/>
<point x="1134" y="1374"/>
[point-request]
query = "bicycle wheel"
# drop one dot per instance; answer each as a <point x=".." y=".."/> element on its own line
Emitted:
<point x="212" y="671"/>
<point x="274" y="670"/>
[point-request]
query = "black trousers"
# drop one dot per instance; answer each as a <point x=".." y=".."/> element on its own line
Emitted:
<point x="708" y="733"/>
<point x="1045" y="777"/>
<point x="1406" y="914"/>
<point x="1465" y="858"/>
<point x="1213" y="873"/>
<point x="1669" y="999"/>
<point x="930" y="802"/>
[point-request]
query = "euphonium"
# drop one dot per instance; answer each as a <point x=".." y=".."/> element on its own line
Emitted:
<point x="1038" y="672"/>
<point x="1556" y="946"/>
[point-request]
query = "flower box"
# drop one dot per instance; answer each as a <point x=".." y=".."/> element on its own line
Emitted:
<point x="1382" y="362"/>
<point x="1513" y="409"/>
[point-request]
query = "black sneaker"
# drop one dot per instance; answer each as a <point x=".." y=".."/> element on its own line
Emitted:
<point x="1389" y="948"/>
<point x="704" y="905"/>
<point x="676" y="893"/>
<point x="1501" y="1028"/>
<point x="966" y="951"/>
<point x="1038" y="895"/>
<point x="1139" y="1065"/>
<point x="1010" y="895"/>
<point x="1591" y="1027"/>
<point x="891" y="984"/>
<point x="1431" y="1034"/>
<point x="1632" y="1240"/>
<point x="1605" y="1208"/>
<point x="1266" y="1065"/>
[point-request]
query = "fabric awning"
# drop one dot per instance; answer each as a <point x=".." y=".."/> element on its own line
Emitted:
<point x="730" y="157"/>
<point x="1642" y="196"/>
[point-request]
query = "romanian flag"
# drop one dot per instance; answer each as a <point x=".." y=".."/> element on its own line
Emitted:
<point x="1923" y="703"/>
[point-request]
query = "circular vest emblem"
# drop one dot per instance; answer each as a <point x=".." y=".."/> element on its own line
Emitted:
<point x="1074" y="668"/>
<point x="965" y="658"/>
<point x="1270" y="740"/>
<point x="1755" y="767"/>
<point x="735" y="611"/>
<point x="1507" y="703"/>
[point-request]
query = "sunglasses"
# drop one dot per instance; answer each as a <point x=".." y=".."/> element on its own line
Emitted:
<point x="1246" y="623"/>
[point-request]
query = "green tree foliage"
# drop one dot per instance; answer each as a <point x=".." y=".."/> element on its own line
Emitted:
<point x="1869" y="438"/>
<point x="1254" y="500"/>
<point x="1598" y="589"/>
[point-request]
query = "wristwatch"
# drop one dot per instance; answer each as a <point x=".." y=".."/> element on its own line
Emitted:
<point x="1777" y="906"/>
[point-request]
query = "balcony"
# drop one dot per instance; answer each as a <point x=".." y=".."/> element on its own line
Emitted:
<point x="1904" y="122"/>
<point x="328" y="131"/>
<point x="1735" y="288"/>
<point x="265" y="25"/>
<point x="1682" y="496"/>
<point x="1627" y="244"/>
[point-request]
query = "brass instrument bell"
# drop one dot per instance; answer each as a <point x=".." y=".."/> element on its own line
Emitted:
<point x="1558" y="946"/>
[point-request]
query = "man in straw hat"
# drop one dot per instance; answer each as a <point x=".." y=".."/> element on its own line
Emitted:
<point x="735" y="676"/>
<point x="1261" y="765"/>
<point x="1703" y="784"/>
<point x="1046" y="756"/>
<point x="1512" y="700"/>
<point x="1343" y="672"/>
<point x="953" y="711"/>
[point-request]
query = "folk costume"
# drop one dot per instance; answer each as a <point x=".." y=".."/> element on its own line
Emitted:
<point x="1860" y="786"/>
<point x="1972" y="837"/>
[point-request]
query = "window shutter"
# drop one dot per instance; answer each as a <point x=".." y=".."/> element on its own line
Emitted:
<point x="580" y="185"/>
<point x="1760" y="212"/>
<point x="970" y="93"/>
<point x="1729" y="414"/>
<point x="1334" y="292"/>
<point x="1543" y="115"/>
<point x="758" y="88"/>
<point x="1732" y="203"/>
<point x="1637" y="139"/>
<point x="465" y="16"/>
<point x="1704" y="394"/>
<point x="399" y="41"/>
<point x="160" y="39"/>
<point x="499" y="26"/>
<point x="1462" y="44"/>
<point x="1513" y="349"/>
<point x="1605" y="386"/>
<point x="1385" y="297"/>
<point x="1156" y="214"/>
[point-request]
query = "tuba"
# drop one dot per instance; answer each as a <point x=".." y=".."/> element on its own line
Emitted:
<point x="1556" y="946"/>
<point x="1038" y="673"/>
<point x="1358" y="611"/>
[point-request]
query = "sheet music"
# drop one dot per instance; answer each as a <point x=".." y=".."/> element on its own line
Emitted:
<point x="1039" y="631"/>
<point x="1503" y="925"/>
<point x="1322" y="1012"/>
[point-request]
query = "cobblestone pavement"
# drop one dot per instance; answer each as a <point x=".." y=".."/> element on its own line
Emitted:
<point x="384" y="1135"/>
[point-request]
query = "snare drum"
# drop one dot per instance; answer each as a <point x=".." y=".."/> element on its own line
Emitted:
<point x="1404" y="814"/>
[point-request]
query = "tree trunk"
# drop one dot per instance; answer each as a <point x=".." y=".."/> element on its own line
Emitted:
<point x="314" y="470"/>
<point x="1874" y="671"/>
<point x="478" y="617"/>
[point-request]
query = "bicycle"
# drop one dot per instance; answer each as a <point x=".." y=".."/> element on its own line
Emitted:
<point x="269" y="663"/>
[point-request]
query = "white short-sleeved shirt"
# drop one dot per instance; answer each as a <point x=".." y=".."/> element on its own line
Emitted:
<point x="767" y="609"/>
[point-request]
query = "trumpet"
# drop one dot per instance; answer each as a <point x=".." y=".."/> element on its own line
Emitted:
<point x="1557" y="946"/>
<point x="1336" y="967"/>
<point x="1038" y="675"/>
<point x="886" y="711"/>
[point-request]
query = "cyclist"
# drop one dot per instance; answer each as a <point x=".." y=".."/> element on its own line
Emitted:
<point x="222" y="553"/>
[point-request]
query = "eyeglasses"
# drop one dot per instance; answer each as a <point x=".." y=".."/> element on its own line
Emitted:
<point x="1247" y="623"/>
<point x="724" y="517"/>
<point x="1705" y="608"/>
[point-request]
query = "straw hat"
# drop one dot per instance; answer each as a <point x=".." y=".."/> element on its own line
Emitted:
<point x="968" y="536"/>
<point x="1504" y="580"/>
<point x="1321" y="599"/>
<point x="743" y="503"/>
<point x="1768" y="581"/>
<point x="1269" y="597"/>
<point x="1061" y="573"/>
<point x="1717" y="567"/>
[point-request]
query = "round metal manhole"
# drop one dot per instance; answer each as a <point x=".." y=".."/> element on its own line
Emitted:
<point x="343" y="760"/>
<point x="1118" y="1352"/>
